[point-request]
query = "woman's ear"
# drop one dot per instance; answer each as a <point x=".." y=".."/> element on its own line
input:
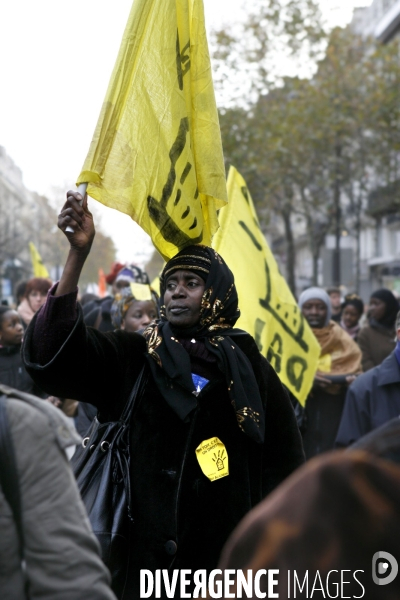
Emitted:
<point x="122" y="324"/>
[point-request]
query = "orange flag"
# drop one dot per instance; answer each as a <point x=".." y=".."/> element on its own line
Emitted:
<point x="102" y="284"/>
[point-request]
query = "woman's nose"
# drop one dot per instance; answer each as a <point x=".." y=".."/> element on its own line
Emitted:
<point x="179" y="291"/>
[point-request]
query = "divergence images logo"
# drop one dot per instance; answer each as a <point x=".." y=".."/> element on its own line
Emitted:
<point x="384" y="568"/>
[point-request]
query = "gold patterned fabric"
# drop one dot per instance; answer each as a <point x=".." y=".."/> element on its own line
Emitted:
<point x="169" y="361"/>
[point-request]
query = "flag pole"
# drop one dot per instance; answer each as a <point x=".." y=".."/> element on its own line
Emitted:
<point x="82" y="191"/>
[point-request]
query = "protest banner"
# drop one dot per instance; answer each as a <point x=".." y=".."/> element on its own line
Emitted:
<point x="268" y="308"/>
<point x="156" y="153"/>
<point x="39" y="270"/>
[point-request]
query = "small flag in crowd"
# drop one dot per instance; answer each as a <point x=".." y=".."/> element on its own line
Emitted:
<point x="102" y="285"/>
<point x="156" y="153"/>
<point x="269" y="310"/>
<point x="39" y="270"/>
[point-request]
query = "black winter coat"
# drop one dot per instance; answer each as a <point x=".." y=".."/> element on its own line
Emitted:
<point x="182" y="519"/>
<point x="13" y="372"/>
<point x="372" y="400"/>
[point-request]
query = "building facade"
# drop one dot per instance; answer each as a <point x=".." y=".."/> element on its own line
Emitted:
<point x="381" y="20"/>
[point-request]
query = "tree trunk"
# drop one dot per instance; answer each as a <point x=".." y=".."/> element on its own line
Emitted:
<point x="315" y="258"/>
<point x="290" y="251"/>
<point x="338" y="221"/>
<point x="358" y="250"/>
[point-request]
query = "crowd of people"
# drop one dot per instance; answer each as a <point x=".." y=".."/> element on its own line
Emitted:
<point x="212" y="436"/>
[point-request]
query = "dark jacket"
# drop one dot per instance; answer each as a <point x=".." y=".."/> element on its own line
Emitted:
<point x="182" y="519"/>
<point x="372" y="400"/>
<point x="376" y="343"/>
<point x="13" y="372"/>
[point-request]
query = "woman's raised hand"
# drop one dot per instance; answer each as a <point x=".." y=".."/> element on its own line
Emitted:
<point x="80" y="219"/>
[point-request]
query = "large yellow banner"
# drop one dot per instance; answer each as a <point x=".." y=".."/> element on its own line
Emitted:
<point x="269" y="310"/>
<point x="39" y="270"/>
<point x="156" y="153"/>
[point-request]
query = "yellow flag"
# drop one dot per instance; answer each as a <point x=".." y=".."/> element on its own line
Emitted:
<point x="155" y="285"/>
<point x="156" y="153"/>
<point x="269" y="311"/>
<point x="39" y="270"/>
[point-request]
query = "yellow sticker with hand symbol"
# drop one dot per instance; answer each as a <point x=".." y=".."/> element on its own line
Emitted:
<point x="213" y="459"/>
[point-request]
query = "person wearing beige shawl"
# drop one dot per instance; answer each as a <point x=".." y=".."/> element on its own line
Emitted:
<point x="339" y="363"/>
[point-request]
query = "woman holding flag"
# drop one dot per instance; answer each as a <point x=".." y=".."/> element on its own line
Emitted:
<point x="214" y="432"/>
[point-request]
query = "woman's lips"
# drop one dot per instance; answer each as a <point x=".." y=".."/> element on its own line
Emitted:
<point x="177" y="310"/>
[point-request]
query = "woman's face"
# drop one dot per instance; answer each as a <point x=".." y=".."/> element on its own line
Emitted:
<point x="350" y="316"/>
<point x="139" y="315"/>
<point x="182" y="298"/>
<point x="36" y="299"/>
<point x="117" y="286"/>
<point x="11" y="329"/>
<point x="377" y="309"/>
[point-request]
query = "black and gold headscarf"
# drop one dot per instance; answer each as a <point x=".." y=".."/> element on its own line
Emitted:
<point x="169" y="361"/>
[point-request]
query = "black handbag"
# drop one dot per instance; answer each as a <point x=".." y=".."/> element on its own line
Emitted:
<point x="102" y="469"/>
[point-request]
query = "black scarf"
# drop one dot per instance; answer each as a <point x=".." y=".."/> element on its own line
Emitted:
<point x="169" y="361"/>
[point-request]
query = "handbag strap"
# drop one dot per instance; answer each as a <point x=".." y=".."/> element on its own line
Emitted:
<point x="137" y="391"/>
<point x="9" y="482"/>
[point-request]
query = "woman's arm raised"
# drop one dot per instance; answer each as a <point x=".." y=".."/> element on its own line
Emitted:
<point x="81" y="220"/>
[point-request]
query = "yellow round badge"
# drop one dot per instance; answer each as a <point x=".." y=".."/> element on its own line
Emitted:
<point x="213" y="459"/>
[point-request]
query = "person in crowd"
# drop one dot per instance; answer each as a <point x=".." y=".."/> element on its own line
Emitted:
<point x="97" y="313"/>
<point x="112" y="275"/>
<point x="127" y="275"/>
<point x="35" y="296"/>
<point x="377" y="339"/>
<point x="352" y="311"/>
<point x="127" y="314"/>
<point x="88" y="297"/>
<point x="130" y="314"/>
<point x="12" y="369"/>
<point x="339" y="361"/>
<point x="48" y="526"/>
<point x="335" y="296"/>
<point x="208" y="386"/>
<point x="383" y="441"/>
<point x="20" y="292"/>
<point x="373" y="399"/>
<point x="327" y="521"/>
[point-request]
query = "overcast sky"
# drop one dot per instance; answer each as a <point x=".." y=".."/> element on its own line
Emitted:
<point x="56" y="60"/>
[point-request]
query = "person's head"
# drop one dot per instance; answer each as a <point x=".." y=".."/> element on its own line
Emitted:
<point x="112" y="275"/>
<point x="133" y="314"/>
<point x="383" y="307"/>
<point x="198" y="291"/>
<point x="315" y="306"/>
<point x="36" y="292"/>
<point x="127" y="275"/>
<point x="335" y="298"/>
<point x="353" y="309"/>
<point x="329" y="519"/>
<point x="20" y="292"/>
<point x="398" y="326"/>
<point x="86" y="298"/>
<point x="11" y="328"/>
